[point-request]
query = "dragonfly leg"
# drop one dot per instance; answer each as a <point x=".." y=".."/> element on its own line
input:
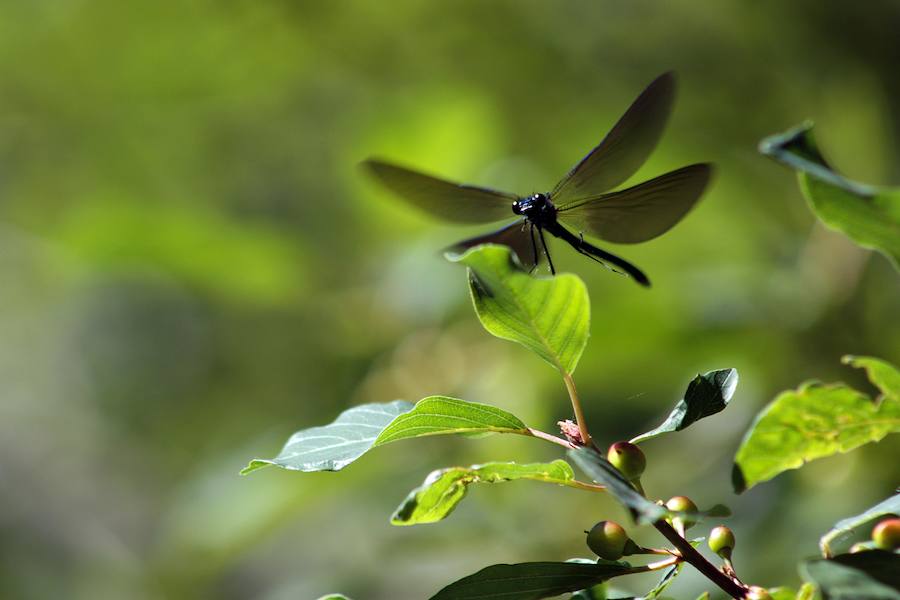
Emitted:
<point x="533" y="248"/>
<point x="546" y="251"/>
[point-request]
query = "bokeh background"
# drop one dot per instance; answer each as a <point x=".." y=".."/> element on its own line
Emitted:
<point x="192" y="267"/>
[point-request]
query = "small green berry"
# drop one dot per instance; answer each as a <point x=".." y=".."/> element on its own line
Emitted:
<point x="886" y="534"/>
<point x="757" y="593"/>
<point x="607" y="540"/>
<point x="628" y="459"/>
<point x="721" y="541"/>
<point x="682" y="504"/>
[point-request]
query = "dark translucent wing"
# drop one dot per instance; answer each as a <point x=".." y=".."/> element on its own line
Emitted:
<point x="445" y="199"/>
<point x="624" y="149"/>
<point x="516" y="235"/>
<point x="642" y="212"/>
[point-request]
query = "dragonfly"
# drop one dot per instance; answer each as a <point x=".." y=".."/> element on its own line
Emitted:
<point x="581" y="202"/>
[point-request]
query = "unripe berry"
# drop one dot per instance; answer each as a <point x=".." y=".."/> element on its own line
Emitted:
<point x="886" y="534"/>
<point x="628" y="459"/>
<point x="607" y="540"/>
<point x="682" y="504"/>
<point x="721" y="541"/>
<point x="757" y="593"/>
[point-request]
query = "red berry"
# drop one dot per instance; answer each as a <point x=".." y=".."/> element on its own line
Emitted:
<point x="886" y="534"/>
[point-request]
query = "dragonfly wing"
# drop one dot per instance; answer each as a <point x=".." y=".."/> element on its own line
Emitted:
<point x="445" y="199"/>
<point x="625" y="148"/>
<point x="642" y="212"/>
<point x="515" y="235"/>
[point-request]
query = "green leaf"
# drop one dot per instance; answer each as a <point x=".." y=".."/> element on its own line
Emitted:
<point x="706" y="395"/>
<point x="872" y="575"/>
<point x="845" y="527"/>
<point x="445" y="488"/>
<point x="703" y="596"/>
<point x="883" y="375"/>
<point x="333" y="597"/>
<point x="332" y="447"/>
<point x="440" y="415"/>
<point x="807" y="591"/>
<point x="530" y="581"/>
<point x="602" y="471"/>
<point x="868" y="215"/>
<point x="782" y="593"/>
<point x="663" y="583"/>
<point x="548" y="315"/>
<point x="816" y="421"/>
<point x="357" y="430"/>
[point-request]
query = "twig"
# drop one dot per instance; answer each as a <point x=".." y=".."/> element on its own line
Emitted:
<point x="699" y="562"/>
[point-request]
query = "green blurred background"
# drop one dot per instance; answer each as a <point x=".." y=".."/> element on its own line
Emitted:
<point x="191" y="268"/>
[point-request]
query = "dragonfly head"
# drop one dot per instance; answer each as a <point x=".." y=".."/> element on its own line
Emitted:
<point x="533" y="205"/>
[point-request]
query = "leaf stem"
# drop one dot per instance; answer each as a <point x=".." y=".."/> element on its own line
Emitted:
<point x="591" y="487"/>
<point x="576" y="407"/>
<point x="699" y="562"/>
<point x="543" y="435"/>
<point x="656" y="566"/>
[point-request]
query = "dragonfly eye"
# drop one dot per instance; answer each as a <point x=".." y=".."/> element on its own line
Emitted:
<point x="517" y="208"/>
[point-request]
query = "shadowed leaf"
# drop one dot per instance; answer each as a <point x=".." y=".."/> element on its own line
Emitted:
<point x="872" y="575"/>
<point x="845" y="527"/>
<point x="602" y="471"/>
<point x="706" y="395"/>
<point x="531" y="581"/>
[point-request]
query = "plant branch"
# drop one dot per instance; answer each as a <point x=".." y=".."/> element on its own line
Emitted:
<point x="579" y="413"/>
<point x="699" y="562"/>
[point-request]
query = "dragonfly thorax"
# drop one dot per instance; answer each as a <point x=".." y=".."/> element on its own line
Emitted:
<point x="536" y="208"/>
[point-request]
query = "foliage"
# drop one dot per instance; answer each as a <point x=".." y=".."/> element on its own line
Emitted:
<point x="814" y="421"/>
<point x="868" y="215"/>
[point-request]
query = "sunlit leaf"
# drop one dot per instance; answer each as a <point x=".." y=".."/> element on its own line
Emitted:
<point x="334" y="446"/>
<point x="444" y="489"/>
<point x="868" y="215"/>
<point x="872" y="575"/>
<point x="706" y="395"/>
<point x="816" y="421"/>
<point x="548" y="315"/>
<point x="883" y="375"/>
<point x="358" y="429"/>
<point x="602" y="471"/>
<point x="782" y="593"/>
<point x="807" y="591"/>
<point x="437" y="415"/>
<point x="531" y="581"/>
<point x="845" y="527"/>
<point x="333" y="597"/>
